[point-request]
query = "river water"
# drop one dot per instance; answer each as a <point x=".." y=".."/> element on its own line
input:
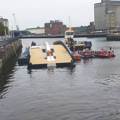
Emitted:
<point x="90" y="91"/>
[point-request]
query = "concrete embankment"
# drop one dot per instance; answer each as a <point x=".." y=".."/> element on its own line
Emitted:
<point x="62" y="36"/>
<point x="113" y="37"/>
<point x="9" y="49"/>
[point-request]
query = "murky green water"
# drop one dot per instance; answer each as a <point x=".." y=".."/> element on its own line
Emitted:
<point x="91" y="91"/>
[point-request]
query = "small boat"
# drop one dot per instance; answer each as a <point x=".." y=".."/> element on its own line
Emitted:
<point x="88" y="44"/>
<point x="82" y="45"/>
<point x="76" y="56"/>
<point x="87" y="53"/>
<point x="24" y="58"/>
<point x="33" y="44"/>
<point x="73" y="44"/>
<point x="105" y="53"/>
<point x="69" y="33"/>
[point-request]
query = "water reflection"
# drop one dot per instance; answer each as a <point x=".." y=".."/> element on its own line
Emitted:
<point x="29" y="71"/>
<point x="6" y="74"/>
<point x="87" y="61"/>
<point x="51" y="68"/>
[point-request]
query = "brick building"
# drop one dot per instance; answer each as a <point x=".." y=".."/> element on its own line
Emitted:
<point x="55" y="28"/>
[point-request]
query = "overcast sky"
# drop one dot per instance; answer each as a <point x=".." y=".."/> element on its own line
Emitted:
<point x="32" y="13"/>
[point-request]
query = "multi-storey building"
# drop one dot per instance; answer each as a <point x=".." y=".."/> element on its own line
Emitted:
<point x="55" y="28"/>
<point x="4" y="22"/>
<point x="107" y="15"/>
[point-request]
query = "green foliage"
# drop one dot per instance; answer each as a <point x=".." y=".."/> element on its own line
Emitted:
<point x="3" y="29"/>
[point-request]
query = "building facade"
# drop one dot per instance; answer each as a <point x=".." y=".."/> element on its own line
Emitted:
<point x="55" y="28"/>
<point x="4" y="27"/>
<point x="4" y="22"/>
<point x="37" y="31"/>
<point x="107" y="15"/>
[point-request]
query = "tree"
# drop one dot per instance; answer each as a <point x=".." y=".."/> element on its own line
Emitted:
<point x="3" y="29"/>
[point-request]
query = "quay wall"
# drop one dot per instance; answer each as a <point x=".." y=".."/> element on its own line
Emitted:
<point x="113" y="37"/>
<point x="62" y="36"/>
<point x="9" y="49"/>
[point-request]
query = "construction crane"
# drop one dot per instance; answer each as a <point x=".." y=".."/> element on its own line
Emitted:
<point x="16" y="33"/>
<point x="17" y="28"/>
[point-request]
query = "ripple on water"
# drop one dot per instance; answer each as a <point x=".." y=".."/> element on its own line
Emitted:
<point x="110" y="80"/>
<point x="91" y="91"/>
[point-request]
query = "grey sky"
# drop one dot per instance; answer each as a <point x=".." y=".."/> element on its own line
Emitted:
<point x="32" y="13"/>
